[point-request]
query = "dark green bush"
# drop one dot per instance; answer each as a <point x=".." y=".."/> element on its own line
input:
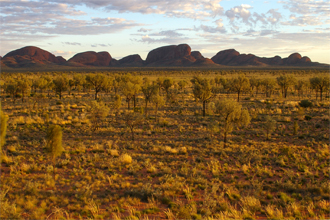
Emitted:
<point x="307" y="117"/>
<point x="305" y="103"/>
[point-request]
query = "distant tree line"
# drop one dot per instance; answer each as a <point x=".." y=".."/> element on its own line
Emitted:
<point x="163" y="89"/>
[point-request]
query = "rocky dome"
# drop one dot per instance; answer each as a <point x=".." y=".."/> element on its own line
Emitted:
<point x="305" y="59"/>
<point x="197" y="55"/>
<point x="131" y="60"/>
<point x="293" y="59"/>
<point x="29" y="56"/>
<point x="169" y="54"/>
<point x="225" y="57"/>
<point x="91" y="58"/>
<point x="174" y="55"/>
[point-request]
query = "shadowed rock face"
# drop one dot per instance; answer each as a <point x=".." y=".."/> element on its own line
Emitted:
<point x="30" y="56"/>
<point x="173" y="55"/>
<point x="197" y="55"/>
<point x="293" y="58"/>
<point x="92" y="58"/>
<point x="233" y="58"/>
<point x="131" y="60"/>
<point x="169" y="54"/>
<point x="225" y="57"/>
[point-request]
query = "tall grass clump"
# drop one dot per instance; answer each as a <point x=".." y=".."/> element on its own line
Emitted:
<point x="54" y="143"/>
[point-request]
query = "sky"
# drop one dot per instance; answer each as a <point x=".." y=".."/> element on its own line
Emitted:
<point x="123" y="27"/>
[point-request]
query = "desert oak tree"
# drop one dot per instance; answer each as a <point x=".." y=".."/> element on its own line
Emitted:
<point x="231" y="115"/>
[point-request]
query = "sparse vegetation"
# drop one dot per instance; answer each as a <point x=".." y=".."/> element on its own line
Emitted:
<point x="174" y="163"/>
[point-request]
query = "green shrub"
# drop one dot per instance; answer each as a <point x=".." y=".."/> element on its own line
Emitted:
<point x="305" y="103"/>
<point x="3" y="130"/>
<point x="307" y="117"/>
<point x="54" y="143"/>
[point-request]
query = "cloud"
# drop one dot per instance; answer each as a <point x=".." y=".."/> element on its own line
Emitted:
<point x="194" y="9"/>
<point x="260" y="18"/>
<point x="239" y="13"/>
<point x="144" y="30"/>
<point x="168" y="33"/>
<point x="39" y="17"/>
<point x="69" y="27"/>
<point x="72" y="43"/>
<point x="168" y="37"/>
<point x="219" y="28"/>
<point x="303" y="21"/>
<point x="307" y="7"/>
<point x="108" y="20"/>
<point x="274" y="17"/>
<point x="100" y="45"/>
<point x="10" y="7"/>
<point x="268" y="32"/>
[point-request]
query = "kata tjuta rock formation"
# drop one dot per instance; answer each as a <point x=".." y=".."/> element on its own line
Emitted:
<point x="167" y="56"/>
<point x="173" y="55"/>
<point x="91" y="58"/>
<point x="232" y="57"/>
<point x="30" y="56"/>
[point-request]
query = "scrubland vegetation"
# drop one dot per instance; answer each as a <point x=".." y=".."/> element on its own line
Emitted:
<point x="218" y="144"/>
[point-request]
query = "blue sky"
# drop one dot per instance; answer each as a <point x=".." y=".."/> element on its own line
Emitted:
<point x="124" y="27"/>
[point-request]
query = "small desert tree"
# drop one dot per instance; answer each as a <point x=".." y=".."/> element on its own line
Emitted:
<point x="41" y="84"/>
<point x="148" y="91"/>
<point x="182" y="84"/>
<point x="79" y="80"/>
<point x="11" y="87"/>
<point x="132" y="120"/>
<point x="231" y="115"/>
<point x="203" y="91"/>
<point x="117" y="104"/>
<point x="269" y="86"/>
<point x="159" y="82"/>
<point x="71" y="84"/>
<point x="285" y="82"/>
<point x="24" y="85"/>
<point x="239" y="84"/>
<point x="158" y="101"/>
<point x="116" y="83"/>
<point x="320" y="84"/>
<point x="49" y="84"/>
<point x="137" y="87"/>
<point x="167" y="84"/>
<point x="96" y="81"/>
<point x="255" y="84"/>
<point x="54" y="143"/>
<point x="107" y="85"/>
<point x="98" y="112"/>
<point x="301" y="86"/>
<point x="60" y="84"/>
<point x="129" y="90"/>
<point x="3" y="130"/>
<point x="270" y="125"/>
